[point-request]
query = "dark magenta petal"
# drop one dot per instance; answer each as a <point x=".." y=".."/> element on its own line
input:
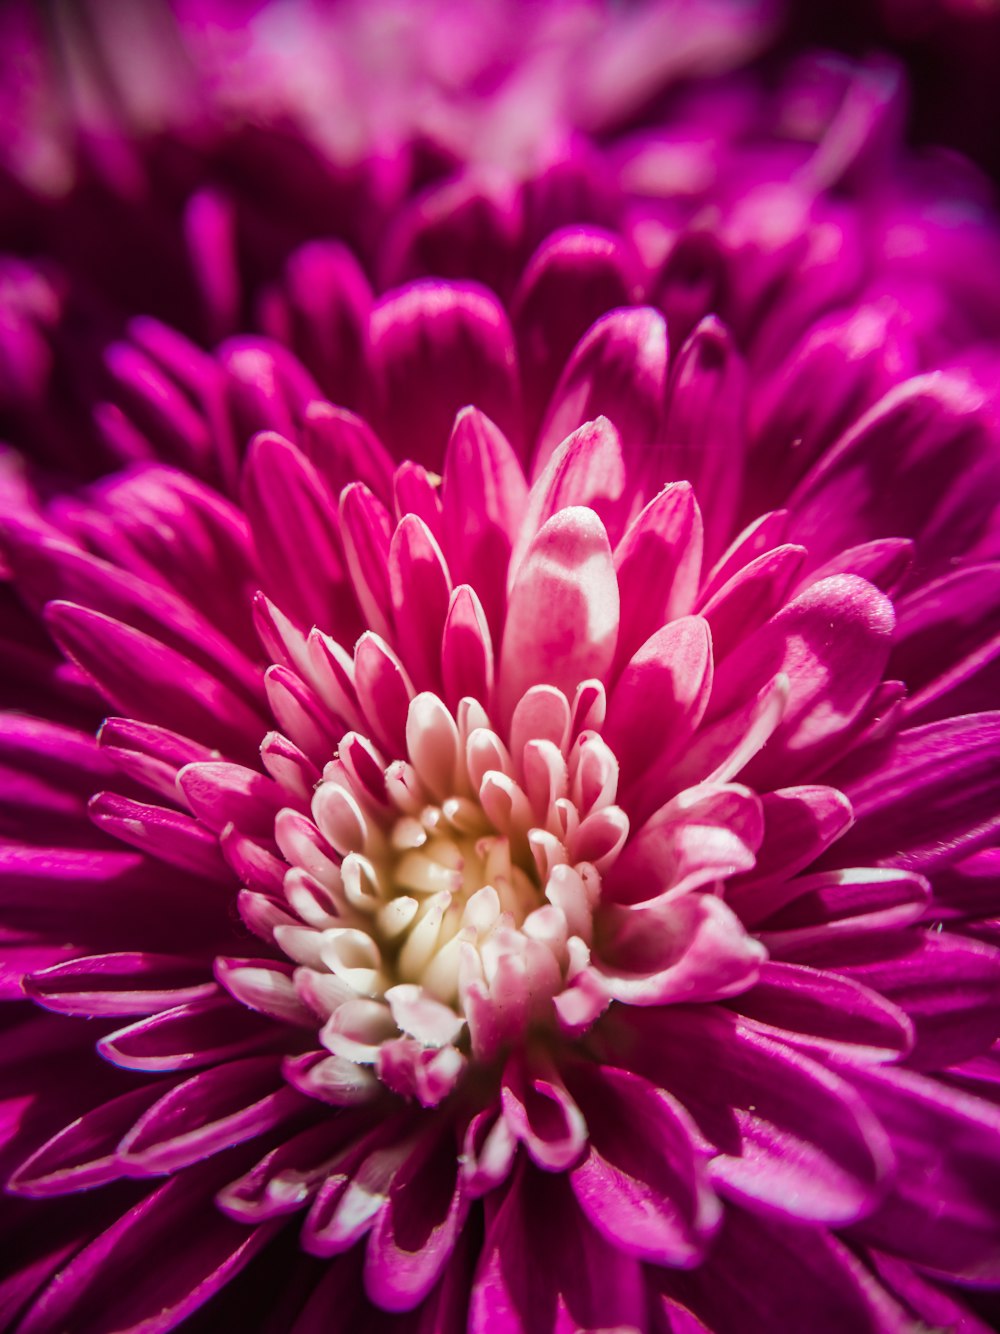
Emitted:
<point x="618" y="370"/>
<point x="191" y="1035"/>
<point x="121" y="984"/>
<point x="173" y="530"/>
<point x="293" y="522"/>
<point x="948" y="644"/>
<point x="799" y="824"/>
<point x="928" y="1303"/>
<point x="704" y="429"/>
<point x="455" y="230"/>
<point x="414" y="1236"/>
<point x="642" y="1184"/>
<point x="585" y="1282"/>
<point x="149" y="680"/>
<point x="267" y="388"/>
<point x="949" y="987"/>
<point x="234" y="1102"/>
<point x="47" y="570"/>
<point x="808" y="916"/>
<point x="821" y="1011"/>
<point x="343" y="448"/>
<point x="884" y="477"/>
<point x="823" y="1287"/>
<point x="793" y="1139"/>
<point x="572" y="279"/>
<point x="148" y="754"/>
<point x="96" y="1291"/>
<point x="942" y="1210"/>
<point x="320" y="311"/>
<point x="84" y="1154"/>
<point x="923" y="796"/>
<point x="171" y="836"/>
<point x="436" y="347"/>
<point x="285" y="1179"/>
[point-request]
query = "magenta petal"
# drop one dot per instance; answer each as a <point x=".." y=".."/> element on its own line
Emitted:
<point x="821" y="1011"/>
<point x="573" y="278"/>
<point x="192" y="1035"/>
<point x="151" y="681"/>
<point x="436" y="347"/>
<point x="344" y="449"/>
<point x="833" y="643"/>
<point x="656" y="705"/>
<point x="419" y="589"/>
<point x="704" y="834"/>
<point x="642" y="1185"/>
<point x="85" y="1153"/>
<point x="321" y="312"/>
<point x="704" y="427"/>
<point x="562" y="622"/>
<point x="675" y="949"/>
<point x="949" y="987"/>
<point x="150" y="755"/>
<point x="221" y="794"/>
<point x="799" y="824"/>
<point x="414" y="1236"/>
<point x="587" y="469"/>
<point x="793" y="1138"/>
<point x="618" y="370"/>
<point x="268" y="389"/>
<point x="806" y="917"/>
<point x="384" y="692"/>
<point x="658" y="561"/>
<point x="121" y="984"/>
<point x="366" y="529"/>
<point x="293" y="521"/>
<point x="883" y="478"/>
<point x="284" y="1180"/>
<point x="48" y="569"/>
<point x="483" y="504"/>
<point x="924" y="796"/>
<point x="942" y="1212"/>
<point x="96" y="1291"/>
<point x="540" y="1111"/>
<point x="584" y="1283"/>
<point x="948" y="643"/>
<point x="467" y="650"/>
<point x="171" y="836"/>
<point x="210" y="1112"/>
<point x="823" y="1287"/>
<point x="751" y="596"/>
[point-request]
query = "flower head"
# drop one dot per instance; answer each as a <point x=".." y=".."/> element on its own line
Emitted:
<point x="536" y="869"/>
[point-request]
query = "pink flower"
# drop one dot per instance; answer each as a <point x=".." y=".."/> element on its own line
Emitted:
<point x="540" y="870"/>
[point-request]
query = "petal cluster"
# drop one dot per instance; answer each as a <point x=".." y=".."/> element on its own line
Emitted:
<point x="502" y="758"/>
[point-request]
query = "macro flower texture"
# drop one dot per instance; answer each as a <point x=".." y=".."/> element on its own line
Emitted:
<point x="500" y="538"/>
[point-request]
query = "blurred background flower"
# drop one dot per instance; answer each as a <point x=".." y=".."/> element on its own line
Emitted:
<point x="522" y="480"/>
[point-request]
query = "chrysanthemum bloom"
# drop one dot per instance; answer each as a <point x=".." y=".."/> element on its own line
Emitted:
<point x="538" y="870"/>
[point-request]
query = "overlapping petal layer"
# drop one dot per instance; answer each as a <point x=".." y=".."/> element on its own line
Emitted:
<point x="547" y="803"/>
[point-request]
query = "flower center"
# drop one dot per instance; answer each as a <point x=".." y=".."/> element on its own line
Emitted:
<point x="447" y="899"/>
